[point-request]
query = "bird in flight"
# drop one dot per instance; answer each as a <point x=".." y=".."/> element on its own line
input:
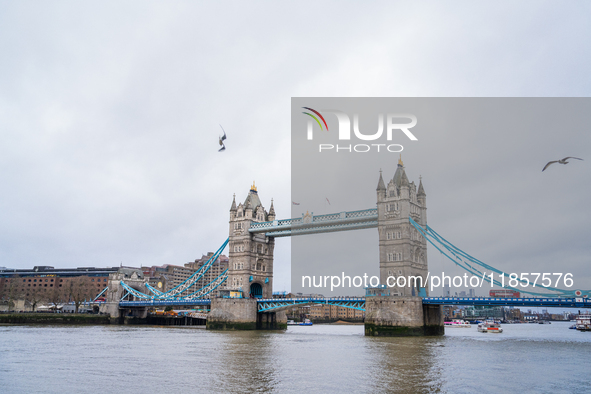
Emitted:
<point x="563" y="161"/>
<point x="222" y="138"/>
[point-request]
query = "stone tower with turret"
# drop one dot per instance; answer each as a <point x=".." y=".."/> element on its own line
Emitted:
<point x="403" y="250"/>
<point x="251" y="255"/>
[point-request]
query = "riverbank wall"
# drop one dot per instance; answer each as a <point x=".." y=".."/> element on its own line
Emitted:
<point x="53" y="318"/>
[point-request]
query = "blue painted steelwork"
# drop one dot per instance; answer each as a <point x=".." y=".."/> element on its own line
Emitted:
<point x="273" y="304"/>
<point x="101" y="293"/>
<point x="473" y="265"/>
<point x="134" y="292"/>
<point x="210" y="287"/>
<point x="177" y="292"/>
<point x="181" y="302"/>
<point x="313" y="224"/>
<point x="533" y="301"/>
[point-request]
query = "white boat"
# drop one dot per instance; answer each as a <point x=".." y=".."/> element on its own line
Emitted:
<point x="291" y="323"/>
<point x="584" y="323"/>
<point x="457" y="323"/>
<point x="490" y="326"/>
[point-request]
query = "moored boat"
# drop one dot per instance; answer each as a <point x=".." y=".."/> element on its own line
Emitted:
<point x="457" y="323"/>
<point x="584" y="323"/>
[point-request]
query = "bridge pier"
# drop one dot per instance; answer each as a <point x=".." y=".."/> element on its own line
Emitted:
<point x="232" y="314"/>
<point x="393" y="316"/>
<point x="272" y="320"/>
<point x="242" y="314"/>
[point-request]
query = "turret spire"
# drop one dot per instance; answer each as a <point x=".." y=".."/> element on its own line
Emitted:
<point x="421" y="191"/>
<point x="233" y="208"/>
<point x="381" y="185"/>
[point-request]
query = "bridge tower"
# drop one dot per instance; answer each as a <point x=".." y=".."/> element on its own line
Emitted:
<point x="251" y="255"/>
<point x="403" y="250"/>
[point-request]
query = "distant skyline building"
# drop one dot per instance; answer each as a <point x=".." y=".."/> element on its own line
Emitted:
<point x="446" y="291"/>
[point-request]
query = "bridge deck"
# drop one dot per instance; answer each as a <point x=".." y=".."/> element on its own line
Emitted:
<point x="273" y="304"/>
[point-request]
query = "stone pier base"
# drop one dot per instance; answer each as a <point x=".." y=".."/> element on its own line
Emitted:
<point x="232" y="314"/>
<point x="401" y="316"/>
<point x="241" y="314"/>
<point x="272" y="321"/>
<point x="119" y="315"/>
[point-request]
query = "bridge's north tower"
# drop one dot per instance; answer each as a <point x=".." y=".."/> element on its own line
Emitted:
<point x="403" y="250"/>
<point x="251" y="255"/>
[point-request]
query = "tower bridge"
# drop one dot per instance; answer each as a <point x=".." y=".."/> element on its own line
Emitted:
<point x="400" y="217"/>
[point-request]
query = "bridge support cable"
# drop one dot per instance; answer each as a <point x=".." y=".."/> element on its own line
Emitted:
<point x="134" y="292"/>
<point x="154" y="290"/>
<point x="176" y="291"/>
<point x="210" y="287"/>
<point x="474" y="266"/>
<point x="101" y="293"/>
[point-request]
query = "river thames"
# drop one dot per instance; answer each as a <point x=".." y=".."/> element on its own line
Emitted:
<point x="321" y="358"/>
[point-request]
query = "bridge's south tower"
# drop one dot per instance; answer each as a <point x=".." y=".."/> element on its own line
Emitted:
<point x="251" y="255"/>
<point x="403" y="250"/>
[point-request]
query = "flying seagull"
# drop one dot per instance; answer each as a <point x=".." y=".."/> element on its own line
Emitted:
<point x="222" y="138"/>
<point x="563" y="161"/>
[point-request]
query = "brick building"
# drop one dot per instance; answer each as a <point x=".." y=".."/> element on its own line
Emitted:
<point x="45" y="283"/>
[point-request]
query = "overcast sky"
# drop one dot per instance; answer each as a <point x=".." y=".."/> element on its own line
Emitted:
<point x="110" y="111"/>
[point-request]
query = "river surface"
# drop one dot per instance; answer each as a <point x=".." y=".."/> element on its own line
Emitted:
<point x="320" y="358"/>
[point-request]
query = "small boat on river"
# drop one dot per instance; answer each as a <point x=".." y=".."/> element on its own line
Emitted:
<point x="490" y="326"/>
<point x="584" y="323"/>
<point x="457" y="323"/>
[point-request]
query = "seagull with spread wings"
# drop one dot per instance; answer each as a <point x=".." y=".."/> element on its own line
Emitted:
<point x="562" y="161"/>
<point x="222" y="138"/>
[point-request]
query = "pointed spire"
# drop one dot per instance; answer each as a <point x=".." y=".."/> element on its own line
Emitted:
<point x="233" y="208"/>
<point x="272" y="209"/>
<point x="400" y="163"/>
<point x="381" y="185"/>
<point x="404" y="179"/>
<point x="421" y="191"/>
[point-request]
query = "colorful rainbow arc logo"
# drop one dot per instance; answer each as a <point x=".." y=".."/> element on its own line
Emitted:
<point x="315" y="118"/>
